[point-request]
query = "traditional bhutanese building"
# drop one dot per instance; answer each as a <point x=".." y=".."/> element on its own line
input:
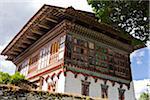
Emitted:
<point x="68" y="51"/>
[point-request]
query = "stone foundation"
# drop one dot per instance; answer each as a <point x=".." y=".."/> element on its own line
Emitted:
<point x="15" y="93"/>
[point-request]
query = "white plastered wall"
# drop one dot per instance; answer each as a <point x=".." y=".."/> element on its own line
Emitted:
<point x="73" y="85"/>
<point x="60" y="84"/>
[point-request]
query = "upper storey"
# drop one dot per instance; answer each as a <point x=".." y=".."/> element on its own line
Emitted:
<point x="48" y="18"/>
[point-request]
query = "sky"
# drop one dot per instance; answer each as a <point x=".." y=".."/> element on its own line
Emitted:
<point x="14" y="14"/>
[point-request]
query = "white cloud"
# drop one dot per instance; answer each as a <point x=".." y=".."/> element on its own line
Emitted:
<point x="140" y="86"/>
<point x="77" y="4"/>
<point x="137" y="56"/>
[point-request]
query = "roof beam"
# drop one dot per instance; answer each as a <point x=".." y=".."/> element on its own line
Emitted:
<point x="17" y="50"/>
<point x="13" y="53"/>
<point x="43" y="26"/>
<point x="31" y="37"/>
<point x="52" y="20"/>
<point x="9" y="58"/>
<point x="37" y="32"/>
<point x="22" y="46"/>
<point x="26" y="41"/>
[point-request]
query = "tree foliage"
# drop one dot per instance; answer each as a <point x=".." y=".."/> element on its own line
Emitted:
<point x="131" y="16"/>
<point x="5" y="78"/>
<point x="17" y="77"/>
<point x="144" y="96"/>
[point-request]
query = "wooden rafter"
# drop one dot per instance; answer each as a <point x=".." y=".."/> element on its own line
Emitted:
<point x="52" y="20"/>
<point x="21" y="46"/>
<point x="26" y="41"/>
<point x="13" y="53"/>
<point x="43" y="26"/>
<point x="31" y="37"/>
<point x="36" y="32"/>
<point x="16" y="49"/>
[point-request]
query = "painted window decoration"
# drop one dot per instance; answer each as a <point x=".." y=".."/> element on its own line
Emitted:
<point x="44" y="57"/>
<point x="110" y="52"/>
<point x="34" y="59"/>
<point x="104" y="50"/>
<point x="91" y="60"/>
<point x="85" y="88"/>
<point x="75" y="41"/>
<point x="33" y="63"/>
<point x="62" y="47"/>
<point x="91" y="45"/>
<point x="104" y="57"/>
<point x="103" y="64"/>
<point x="121" y="94"/>
<point x="54" y="47"/>
<point x="24" y="68"/>
<point x="104" y="91"/>
<point x="69" y="38"/>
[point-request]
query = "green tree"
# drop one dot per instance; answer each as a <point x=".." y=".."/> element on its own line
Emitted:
<point x="131" y="16"/>
<point x="4" y="78"/>
<point x="144" y="96"/>
<point x="16" y="78"/>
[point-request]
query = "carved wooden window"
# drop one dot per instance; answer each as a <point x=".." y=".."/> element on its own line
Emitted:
<point x="68" y="50"/>
<point x="33" y="63"/>
<point x="33" y="59"/>
<point x="85" y="44"/>
<point x="104" y="50"/>
<point x="54" y="48"/>
<point x="75" y="40"/>
<point x="69" y="38"/>
<point x="24" y="68"/>
<point x="103" y="64"/>
<point x="121" y="94"/>
<point x="91" y="45"/>
<point x="104" y="91"/>
<point x="104" y="57"/>
<point x="85" y="88"/>
<point x="44" y="57"/>
<point x="91" y="60"/>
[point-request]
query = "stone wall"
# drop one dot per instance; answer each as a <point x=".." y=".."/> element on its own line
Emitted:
<point x="8" y="92"/>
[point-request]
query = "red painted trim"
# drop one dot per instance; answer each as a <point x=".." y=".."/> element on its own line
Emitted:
<point x="58" y="74"/>
<point x="44" y="72"/>
<point x="53" y="75"/>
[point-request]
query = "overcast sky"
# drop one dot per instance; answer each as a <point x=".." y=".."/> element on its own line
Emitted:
<point x="15" y="13"/>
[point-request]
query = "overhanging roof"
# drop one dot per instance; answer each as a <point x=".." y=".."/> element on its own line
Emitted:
<point x="47" y="18"/>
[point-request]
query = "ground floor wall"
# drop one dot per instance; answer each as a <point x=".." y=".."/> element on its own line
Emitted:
<point x="73" y="84"/>
<point x="53" y="80"/>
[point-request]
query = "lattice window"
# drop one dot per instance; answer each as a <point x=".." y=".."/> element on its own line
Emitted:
<point x="121" y="94"/>
<point x="44" y="57"/>
<point x="85" y="88"/>
<point x="91" y="45"/>
<point x="104" y="57"/>
<point x="54" y="48"/>
<point x="104" y="91"/>
<point x="24" y="67"/>
<point x="104" y="50"/>
<point x="34" y="59"/>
